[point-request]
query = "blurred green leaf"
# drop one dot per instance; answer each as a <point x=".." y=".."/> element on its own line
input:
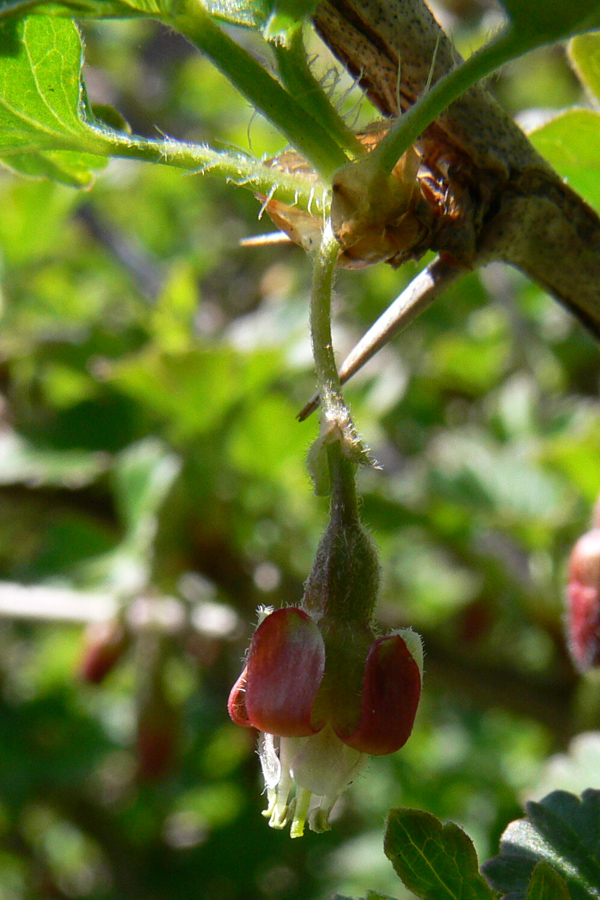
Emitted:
<point x="584" y="53"/>
<point x="472" y="469"/>
<point x="561" y="830"/>
<point x="571" y="144"/>
<point x="435" y="861"/>
<point x="24" y="463"/>
<point x="144" y="475"/>
<point x="196" y="389"/>
<point x="546" y="884"/>
<point x="552" y="20"/>
<point x="574" y="771"/>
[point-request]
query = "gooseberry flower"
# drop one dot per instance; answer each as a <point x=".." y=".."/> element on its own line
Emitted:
<point x="325" y="701"/>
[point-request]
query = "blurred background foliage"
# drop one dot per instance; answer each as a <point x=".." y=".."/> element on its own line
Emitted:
<point x="150" y="373"/>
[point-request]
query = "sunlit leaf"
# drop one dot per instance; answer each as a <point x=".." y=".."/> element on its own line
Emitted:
<point x="584" y="53"/>
<point x="43" y="126"/>
<point x="561" y="830"/>
<point x="571" y="143"/>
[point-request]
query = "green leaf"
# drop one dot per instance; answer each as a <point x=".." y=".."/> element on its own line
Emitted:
<point x="561" y="830"/>
<point x="571" y="143"/>
<point x="544" y="21"/>
<point x="546" y="884"/>
<point x="584" y="53"/>
<point x="43" y="127"/>
<point x="435" y="861"/>
<point x="279" y="15"/>
<point x="88" y="8"/>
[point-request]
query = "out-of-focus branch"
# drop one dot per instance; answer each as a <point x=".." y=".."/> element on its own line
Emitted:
<point x="57" y="604"/>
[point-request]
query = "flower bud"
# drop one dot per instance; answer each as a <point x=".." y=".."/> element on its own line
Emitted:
<point x="104" y="645"/>
<point x="583" y="601"/>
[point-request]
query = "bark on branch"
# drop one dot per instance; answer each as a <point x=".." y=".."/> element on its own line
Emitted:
<point x="497" y="198"/>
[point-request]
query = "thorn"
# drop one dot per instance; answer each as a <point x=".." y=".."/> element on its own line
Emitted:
<point x="420" y="293"/>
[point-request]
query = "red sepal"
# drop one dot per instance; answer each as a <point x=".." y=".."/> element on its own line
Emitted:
<point x="390" y="697"/>
<point x="283" y="675"/>
<point x="236" y="705"/>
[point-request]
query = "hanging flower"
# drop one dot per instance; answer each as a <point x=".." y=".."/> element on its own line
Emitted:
<point x="323" y="689"/>
<point x="326" y="697"/>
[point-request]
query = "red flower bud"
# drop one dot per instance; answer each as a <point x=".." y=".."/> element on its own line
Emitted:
<point x="391" y="693"/>
<point x="283" y="675"/>
<point x="104" y="645"/>
<point x="583" y="598"/>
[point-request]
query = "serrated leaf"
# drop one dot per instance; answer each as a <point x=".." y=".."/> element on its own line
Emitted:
<point x="546" y="884"/>
<point x="435" y="861"/>
<point x="562" y="830"/>
<point x="584" y="53"/>
<point x="544" y="21"/>
<point x="43" y="125"/>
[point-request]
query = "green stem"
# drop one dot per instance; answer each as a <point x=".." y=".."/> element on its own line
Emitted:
<point x="236" y="168"/>
<point x="344" y="499"/>
<point x="300" y="82"/>
<point x="320" y="326"/>
<point x="261" y="89"/>
<point x="409" y="127"/>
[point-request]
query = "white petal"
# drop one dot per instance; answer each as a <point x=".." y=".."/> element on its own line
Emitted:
<point x="269" y="761"/>
<point x="324" y="765"/>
